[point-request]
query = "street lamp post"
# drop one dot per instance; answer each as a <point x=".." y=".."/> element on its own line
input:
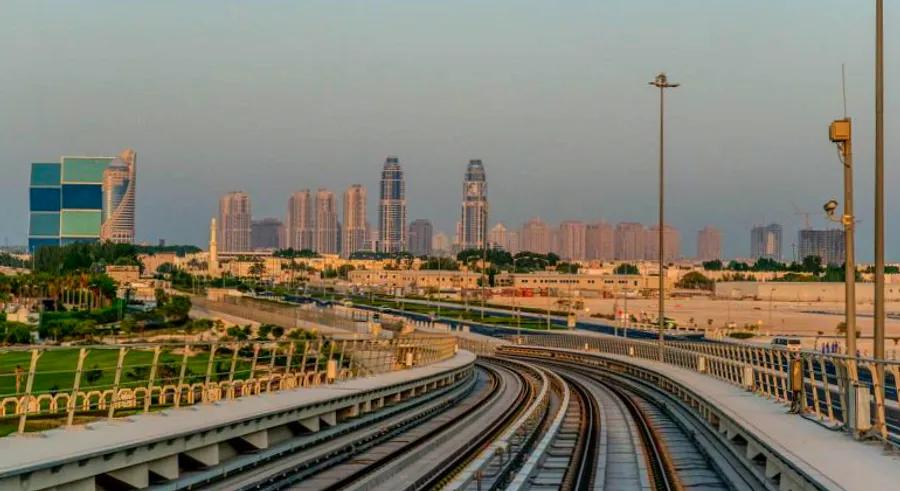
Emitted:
<point x="662" y="83"/>
<point x="879" y="187"/>
<point x="840" y="132"/>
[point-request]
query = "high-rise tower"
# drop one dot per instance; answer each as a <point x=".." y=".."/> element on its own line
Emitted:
<point x="235" y="221"/>
<point x="354" y="233"/>
<point x="118" y="199"/>
<point x="326" y="223"/>
<point x="392" y="208"/>
<point x="300" y="226"/>
<point x="474" y="207"/>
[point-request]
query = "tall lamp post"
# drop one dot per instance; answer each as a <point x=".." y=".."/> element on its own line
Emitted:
<point x="662" y="83"/>
<point x="840" y="133"/>
<point x="879" y="187"/>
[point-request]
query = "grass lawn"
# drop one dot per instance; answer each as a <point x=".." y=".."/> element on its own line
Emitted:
<point x="56" y="368"/>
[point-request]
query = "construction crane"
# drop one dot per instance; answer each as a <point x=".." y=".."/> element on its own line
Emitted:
<point x="804" y="214"/>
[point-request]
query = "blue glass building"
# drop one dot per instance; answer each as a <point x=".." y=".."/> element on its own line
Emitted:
<point x="66" y="201"/>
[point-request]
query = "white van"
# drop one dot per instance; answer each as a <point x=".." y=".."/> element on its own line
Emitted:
<point x="790" y="344"/>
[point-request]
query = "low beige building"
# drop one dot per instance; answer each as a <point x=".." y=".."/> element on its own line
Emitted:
<point x="415" y="279"/>
<point x="783" y="291"/>
<point x="608" y="283"/>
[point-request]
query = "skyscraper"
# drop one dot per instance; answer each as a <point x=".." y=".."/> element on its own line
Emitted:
<point x="235" y="222"/>
<point x="327" y="232"/>
<point x="118" y="199"/>
<point x="266" y="234"/>
<point x="300" y="221"/>
<point x="671" y="243"/>
<point x="828" y="245"/>
<point x="497" y="236"/>
<point x="765" y="241"/>
<point x="392" y="208"/>
<point x="535" y="236"/>
<point x="70" y="201"/>
<point x="630" y="239"/>
<point x="420" y="236"/>
<point x="709" y="244"/>
<point x="571" y="239"/>
<point x="599" y="242"/>
<point x="440" y="243"/>
<point x="354" y="233"/>
<point x="474" y="207"/>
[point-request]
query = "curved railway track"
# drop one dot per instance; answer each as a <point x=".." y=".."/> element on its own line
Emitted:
<point x="668" y="457"/>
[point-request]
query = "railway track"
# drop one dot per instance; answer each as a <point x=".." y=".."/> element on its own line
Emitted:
<point x="640" y="446"/>
<point x="523" y="424"/>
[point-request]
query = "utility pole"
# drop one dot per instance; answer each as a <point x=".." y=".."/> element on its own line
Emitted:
<point x="840" y="132"/>
<point x="662" y="82"/>
<point x="879" y="188"/>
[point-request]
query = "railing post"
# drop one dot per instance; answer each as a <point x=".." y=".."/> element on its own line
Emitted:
<point x="290" y="358"/>
<point x="117" y="379"/>
<point x="209" y="367"/>
<point x="76" y="384"/>
<point x="153" y="366"/>
<point x="253" y="362"/>
<point x="340" y="363"/>
<point x="181" y="374"/>
<point x="29" y="383"/>
<point x="234" y="358"/>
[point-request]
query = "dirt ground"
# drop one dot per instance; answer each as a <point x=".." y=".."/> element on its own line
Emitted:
<point x="815" y="322"/>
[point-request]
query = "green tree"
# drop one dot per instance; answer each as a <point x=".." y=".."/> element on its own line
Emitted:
<point x="714" y="265"/>
<point x="812" y="264"/>
<point x="626" y="268"/>
<point x="277" y="332"/>
<point x="264" y="331"/>
<point x="567" y="268"/>
<point x="177" y="308"/>
<point x="442" y="263"/>
<point x="695" y="281"/>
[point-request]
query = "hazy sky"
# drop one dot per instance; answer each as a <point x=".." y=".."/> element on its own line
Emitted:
<point x="270" y="97"/>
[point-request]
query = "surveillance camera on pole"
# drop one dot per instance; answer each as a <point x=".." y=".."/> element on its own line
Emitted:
<point x="829" y="207"/>
<point x="840" y="132"/>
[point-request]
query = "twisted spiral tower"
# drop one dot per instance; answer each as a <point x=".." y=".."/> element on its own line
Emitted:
<point x="118" y="199"/>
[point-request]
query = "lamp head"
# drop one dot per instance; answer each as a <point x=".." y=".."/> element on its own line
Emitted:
<point x="830" y="207"/>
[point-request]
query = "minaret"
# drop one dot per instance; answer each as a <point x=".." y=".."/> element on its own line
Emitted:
<point x="213" y="249"/>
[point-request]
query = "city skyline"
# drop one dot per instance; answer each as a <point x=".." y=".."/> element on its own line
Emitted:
<point x="518" y="113"/>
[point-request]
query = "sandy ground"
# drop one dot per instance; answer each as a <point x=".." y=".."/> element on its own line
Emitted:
<point x="806" y="320"/>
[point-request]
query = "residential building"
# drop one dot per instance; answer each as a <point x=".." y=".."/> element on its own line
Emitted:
<point x="440" y="244"/>
<point x="326" y="219"/>
<point x="300" y="221"/>
<point x="599" y="242"/>
<point x="235" y="219"/>
<point x="504" y="238"/>
<point x="118" y="199"/>
<point x="709" y="244"/>
<point x="266" y="234"/>
<point x="392" y="208"/>
<point x="474" y="207"/>
<point x="354" y="236"/>
<point x="535" y="236"/>
<point x="765" y="241"/>
<point x="671" y="243"/>
<point x="828" y="245"/>
<point x="630" y="239"/>
<point x="420" y="237"/>
<point x="571" y="240"/>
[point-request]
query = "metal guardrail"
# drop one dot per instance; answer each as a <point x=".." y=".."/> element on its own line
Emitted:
<point x="825" y="378"/>
<point x="56" y="384"/>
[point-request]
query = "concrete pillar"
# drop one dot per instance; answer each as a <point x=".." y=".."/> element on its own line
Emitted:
<point x="258" y="440"/>
<point x="166" y="467"/>
<point x="136" y="476"/>
<point x="208" y="455"/>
